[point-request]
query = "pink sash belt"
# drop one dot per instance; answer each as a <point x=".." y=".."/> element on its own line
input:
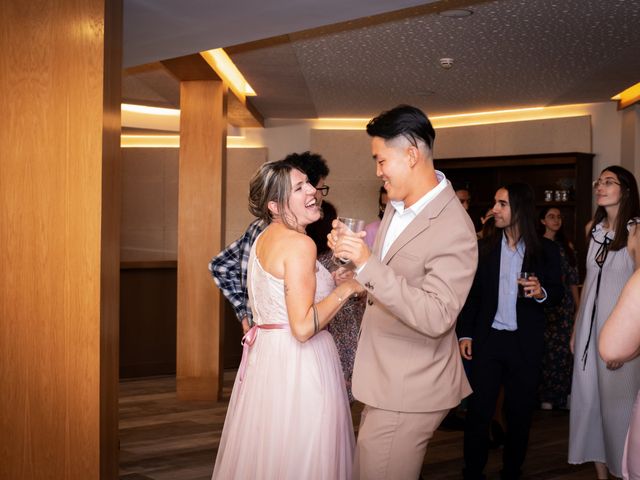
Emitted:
<point x="250" y="337"/>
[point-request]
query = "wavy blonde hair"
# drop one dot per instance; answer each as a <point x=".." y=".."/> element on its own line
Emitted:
<point x="272" y="183"/>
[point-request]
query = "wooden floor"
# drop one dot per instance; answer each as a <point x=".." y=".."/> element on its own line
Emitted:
<point x="163" y="439"/>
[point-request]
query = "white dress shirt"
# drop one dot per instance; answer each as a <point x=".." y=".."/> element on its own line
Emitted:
<point x="404" y="216"/>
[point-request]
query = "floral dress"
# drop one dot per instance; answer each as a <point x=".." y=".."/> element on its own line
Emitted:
<point x="345" y="327"/>
<point x="558" y="361"/>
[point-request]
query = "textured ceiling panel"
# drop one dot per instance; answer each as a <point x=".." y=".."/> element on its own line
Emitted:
<point x="522" y="52"/>
<point x="509" y="53"/>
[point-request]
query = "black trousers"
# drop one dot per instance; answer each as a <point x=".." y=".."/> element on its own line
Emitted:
<point x="500" y="362"/>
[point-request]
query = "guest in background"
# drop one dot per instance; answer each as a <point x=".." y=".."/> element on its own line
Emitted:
<point x="464" y="196"/>
<point x="372" y="228"/>
<point x="558" y="361"/>
<point x="488" y="225"/>
<point x="620" y="342"/>
<point x="502" y="332"/>
<point x="602" y="393"/>
<point x="346" y="324"/>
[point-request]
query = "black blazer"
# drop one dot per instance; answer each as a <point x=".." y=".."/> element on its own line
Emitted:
<point x="480" y="308"/>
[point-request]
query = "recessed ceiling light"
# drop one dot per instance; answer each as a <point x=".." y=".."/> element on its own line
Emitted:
<point x="456" y="13"/>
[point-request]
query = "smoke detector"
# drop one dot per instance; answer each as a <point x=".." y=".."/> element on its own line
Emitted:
<point x="446" y="63"/>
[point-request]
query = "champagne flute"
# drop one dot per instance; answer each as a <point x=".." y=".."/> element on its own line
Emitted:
<point x="353" y="224"/>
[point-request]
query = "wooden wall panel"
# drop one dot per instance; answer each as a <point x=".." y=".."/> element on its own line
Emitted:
<point x="58" y="209"/>
<point x="200" y="220"/>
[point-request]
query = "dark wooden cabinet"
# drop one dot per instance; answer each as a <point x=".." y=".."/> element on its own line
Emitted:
<point x="555" y="171"/>
<point x="148" y="310"/>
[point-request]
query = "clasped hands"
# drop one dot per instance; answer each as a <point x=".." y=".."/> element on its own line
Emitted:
<point x="348" y="245"/>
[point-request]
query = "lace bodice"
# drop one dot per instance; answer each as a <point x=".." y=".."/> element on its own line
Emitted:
<point x="266" y="292"/>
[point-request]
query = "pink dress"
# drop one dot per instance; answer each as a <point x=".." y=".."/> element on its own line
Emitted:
<point x="289" y="416"/>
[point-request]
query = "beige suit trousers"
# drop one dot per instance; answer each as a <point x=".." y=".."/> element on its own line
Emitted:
<point x="391" y="445"/>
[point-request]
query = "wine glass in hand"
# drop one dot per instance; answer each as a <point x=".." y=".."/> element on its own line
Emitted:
<point x="353" y="224"/>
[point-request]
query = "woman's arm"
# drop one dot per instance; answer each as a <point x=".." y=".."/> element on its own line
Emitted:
<point x="620" y="337"/>
<point x="633" y="244"/>
<point x="300" y="287"/>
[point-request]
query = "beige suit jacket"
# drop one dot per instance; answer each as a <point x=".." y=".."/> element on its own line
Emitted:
<point x="408" y="358"/>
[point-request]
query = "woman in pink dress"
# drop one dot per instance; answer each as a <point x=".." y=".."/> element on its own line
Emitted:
<point x="620" y="342"/>
<point x="288" y="417"/>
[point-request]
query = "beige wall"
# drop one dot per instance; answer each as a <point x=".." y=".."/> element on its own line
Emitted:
<point x="149" y="204"/>
<point x="150" y="200"/>
<point x="149" y="224"/>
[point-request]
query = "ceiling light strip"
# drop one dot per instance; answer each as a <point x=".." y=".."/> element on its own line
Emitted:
<point x="468" y="119"/>
<point x="628" y="97"/>
<point x="226" y="69"/>
<point x="173" y="141"/>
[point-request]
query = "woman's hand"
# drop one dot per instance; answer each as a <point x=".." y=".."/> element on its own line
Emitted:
<point x="614" y="365"/>
<point x="341" y="275"/>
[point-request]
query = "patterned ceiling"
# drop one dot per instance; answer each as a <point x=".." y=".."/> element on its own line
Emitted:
<point x="508" y="53"/>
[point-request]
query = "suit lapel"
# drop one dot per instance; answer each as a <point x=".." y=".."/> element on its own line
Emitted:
<point x="382" y="231"/>
<point x="418" y="224"/>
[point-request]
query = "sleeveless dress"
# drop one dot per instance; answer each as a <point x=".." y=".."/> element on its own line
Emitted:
<point x="288" y="417"/>
<point x="601" y="399"/>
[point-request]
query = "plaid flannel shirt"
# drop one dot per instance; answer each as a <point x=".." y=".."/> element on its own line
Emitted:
<point x="229" y="270"/>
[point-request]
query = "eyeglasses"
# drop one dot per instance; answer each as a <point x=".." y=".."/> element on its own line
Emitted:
<point x="607" y="182"/>
<point x="324" y="190"/>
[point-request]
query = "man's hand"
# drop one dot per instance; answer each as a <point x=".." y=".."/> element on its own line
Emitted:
<point x="245" y="325"/>
<point x="348" y="245"/>
<point x="532" y="287"/>
<point x="465" y="348"/>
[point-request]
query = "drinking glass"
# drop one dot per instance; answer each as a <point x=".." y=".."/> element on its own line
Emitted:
<point x="355" y="225"/>
<point x="521" y="277"/>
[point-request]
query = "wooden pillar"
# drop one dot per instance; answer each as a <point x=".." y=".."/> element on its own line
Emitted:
<point x="59" y="238"/>
<point x="200" y="220"/>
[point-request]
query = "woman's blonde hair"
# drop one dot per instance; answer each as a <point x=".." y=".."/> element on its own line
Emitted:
<point x="271" y="183"/>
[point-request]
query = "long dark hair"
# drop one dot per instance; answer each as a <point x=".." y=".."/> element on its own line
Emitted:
<point x="629" y="206"/>
<point x="523" y="214"/>
<point x="319" y="230"/>
<point x="560" y="237"/>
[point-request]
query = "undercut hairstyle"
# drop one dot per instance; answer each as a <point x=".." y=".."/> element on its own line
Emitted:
<point x="629" y="206"/>
<point x="403" y="121"/>
<point x="312" y="164"/>
<point x="271" y="183"/>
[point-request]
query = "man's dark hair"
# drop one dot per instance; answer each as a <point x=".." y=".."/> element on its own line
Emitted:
<point x="319" y="230"/>
<point x="523" y="215"/>
<point x="405" y="120"/>
<point x="312" y="164"/>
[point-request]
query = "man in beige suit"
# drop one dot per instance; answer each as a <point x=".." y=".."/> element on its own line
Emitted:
<point x="408" y="371"/>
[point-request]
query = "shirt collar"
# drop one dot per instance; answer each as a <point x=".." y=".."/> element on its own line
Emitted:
<point x="417" y="207"/>
<point x="519" y="245"/>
